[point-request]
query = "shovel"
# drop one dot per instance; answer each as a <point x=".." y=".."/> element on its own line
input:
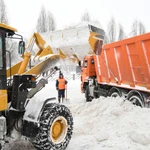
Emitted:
<point x="66" y="99"/>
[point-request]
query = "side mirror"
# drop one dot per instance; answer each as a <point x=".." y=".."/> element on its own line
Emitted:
<point x="92" y="61"/>
<point x="79" y="63"/>
<point x="21" y="47"/>
<point x="78" y="69"/>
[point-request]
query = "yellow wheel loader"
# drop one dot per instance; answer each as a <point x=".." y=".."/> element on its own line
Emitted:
<point x="46" y="124"/>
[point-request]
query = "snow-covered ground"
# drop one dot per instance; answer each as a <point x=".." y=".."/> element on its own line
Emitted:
<point x="104" y="123"/>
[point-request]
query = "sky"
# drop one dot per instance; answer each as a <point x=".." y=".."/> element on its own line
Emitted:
<point x="23" y="14"/>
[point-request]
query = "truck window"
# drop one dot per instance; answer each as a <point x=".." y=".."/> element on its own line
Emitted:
<point x="85" y="64"/>
<point x="92" y="61"/>
<point x="1" y="58"/>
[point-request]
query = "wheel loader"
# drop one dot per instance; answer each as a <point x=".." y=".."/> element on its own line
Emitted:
<point x="45" y="123"/>
<point x="51" y="125"/>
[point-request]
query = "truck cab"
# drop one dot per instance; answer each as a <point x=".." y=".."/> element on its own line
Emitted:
<point x="88" y="71"/>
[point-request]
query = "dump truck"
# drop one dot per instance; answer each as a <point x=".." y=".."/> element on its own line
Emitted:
<point x="48" y="125"/>
<point x="119" y="69"/>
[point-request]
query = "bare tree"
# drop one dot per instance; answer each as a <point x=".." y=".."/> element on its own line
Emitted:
<point x="134" y="28"/>
<point x="51" y="25"/>
<point x="142" y="29"/>
<point x="45" y="21"/>
<point x="86" y="17"/>
<point x="111" y="31"/>
<point x="106" y="41"/>
<point x="41" y="23"/>
<point x="3" y="15"/>
<point x="121" y="33"/>
<point x="137" y="28"/>
<point x="10" y="45"/>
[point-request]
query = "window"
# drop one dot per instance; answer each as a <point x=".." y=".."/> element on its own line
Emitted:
<point x="1" y="54"/>
<point x="85" y="63"/>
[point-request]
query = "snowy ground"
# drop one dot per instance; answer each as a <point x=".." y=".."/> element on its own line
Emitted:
<point x="105" y="124"/>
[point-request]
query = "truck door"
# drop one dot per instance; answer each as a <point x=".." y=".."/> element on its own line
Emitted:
<point x="3" y="79"/>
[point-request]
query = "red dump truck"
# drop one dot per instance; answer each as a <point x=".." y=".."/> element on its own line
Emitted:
<point x="122" y="69"/>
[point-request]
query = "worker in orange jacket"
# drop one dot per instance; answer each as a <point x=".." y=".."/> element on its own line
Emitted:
<point x="61" y="86"/>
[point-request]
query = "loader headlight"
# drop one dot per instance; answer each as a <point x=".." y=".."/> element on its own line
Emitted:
<point x="33" y="78"/>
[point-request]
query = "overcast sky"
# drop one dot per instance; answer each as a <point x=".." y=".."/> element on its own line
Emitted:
<point x="23" y="14"/>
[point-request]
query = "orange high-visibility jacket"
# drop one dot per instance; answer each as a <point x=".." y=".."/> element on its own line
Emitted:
<point x="61" y="84"/>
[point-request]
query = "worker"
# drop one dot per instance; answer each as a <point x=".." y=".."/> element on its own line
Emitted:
<point x="61" y="86"/>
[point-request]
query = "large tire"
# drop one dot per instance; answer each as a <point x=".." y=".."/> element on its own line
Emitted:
<point x="96" y="95"/>
<point x="56" y="126"/>
<point x="136" y="100"/>
<point x="115" y="94"/>
<point x="87" y="94"/>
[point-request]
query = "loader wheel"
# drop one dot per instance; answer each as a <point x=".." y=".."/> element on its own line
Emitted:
<point x="56" y="125"/>
<point x="87" y="94"/>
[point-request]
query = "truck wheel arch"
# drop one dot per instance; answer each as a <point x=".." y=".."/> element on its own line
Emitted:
<point x="115" y="90"/>
<point x="136" y="96"/>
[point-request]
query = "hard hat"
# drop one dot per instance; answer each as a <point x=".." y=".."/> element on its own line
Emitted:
<point x="60" y="74"/>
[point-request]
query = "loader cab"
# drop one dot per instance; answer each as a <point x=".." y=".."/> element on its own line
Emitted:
<point x="3" y="79"/>
<point x="5" y="32"/>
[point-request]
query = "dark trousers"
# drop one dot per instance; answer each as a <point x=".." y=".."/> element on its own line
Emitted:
<point x="61" y="94"/>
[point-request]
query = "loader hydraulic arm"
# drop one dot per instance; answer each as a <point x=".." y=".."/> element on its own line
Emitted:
<point x="41" y="84"/>
<point x="43" y="51"/>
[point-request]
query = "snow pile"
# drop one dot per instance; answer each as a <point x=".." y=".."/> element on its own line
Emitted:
<point x="19" y="145"/>
<point x="110" y="123"/>
<point x="104" y="123"/>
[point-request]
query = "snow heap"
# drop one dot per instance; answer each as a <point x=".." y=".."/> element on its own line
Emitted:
<point x="104" y="123"/>
<point x="110" y="124"/>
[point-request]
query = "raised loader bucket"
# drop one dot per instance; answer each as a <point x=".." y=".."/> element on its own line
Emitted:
<point x="76" y="42"/>
<point x="96" y="39"/>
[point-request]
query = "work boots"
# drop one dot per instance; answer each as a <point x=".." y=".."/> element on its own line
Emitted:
<point x="59" y="100"/>
<point x="62" y="100"/>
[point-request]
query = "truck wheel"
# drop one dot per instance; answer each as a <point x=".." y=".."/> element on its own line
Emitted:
<point x="87" y="94"/>
<point x="136" y="100"/>
<point x="56" y="125"/>
<point x="115" y="94"/>
<point x="96" y="95"/>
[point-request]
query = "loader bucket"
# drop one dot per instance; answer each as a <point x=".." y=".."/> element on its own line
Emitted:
<point x="75" y="42"/>
<point x="96" y="39"/>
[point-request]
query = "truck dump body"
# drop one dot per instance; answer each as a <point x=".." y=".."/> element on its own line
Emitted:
<point x="125" y="63"/>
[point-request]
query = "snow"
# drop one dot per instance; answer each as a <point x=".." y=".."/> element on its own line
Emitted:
<point x="104" y="123"/>
<point x="71" y="41"/>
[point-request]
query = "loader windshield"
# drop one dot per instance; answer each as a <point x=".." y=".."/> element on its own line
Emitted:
<point x="1" y="60"/>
